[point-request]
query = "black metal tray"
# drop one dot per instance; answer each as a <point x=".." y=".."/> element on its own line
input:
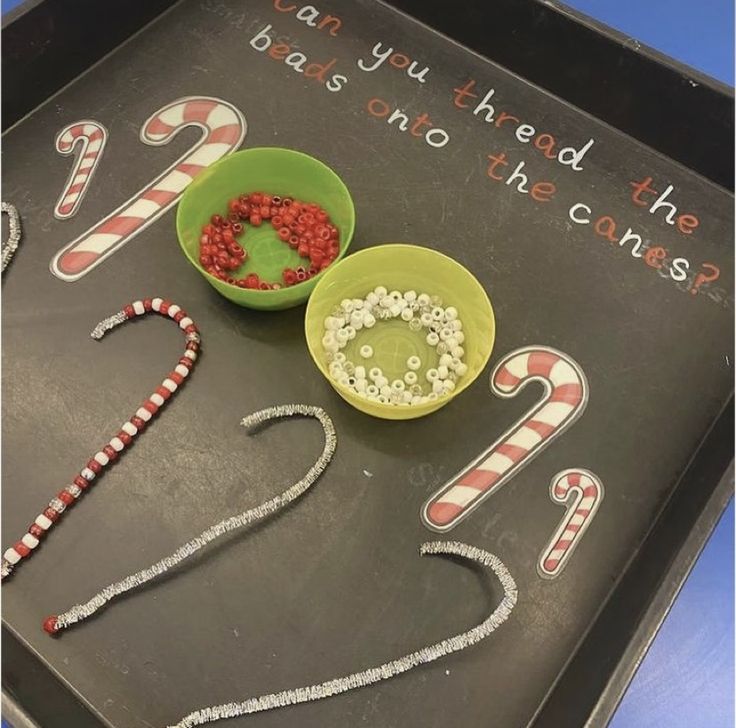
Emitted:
<point x="334" y="584"/>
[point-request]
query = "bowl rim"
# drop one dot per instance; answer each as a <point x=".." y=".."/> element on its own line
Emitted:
<point x="239" y="153"/>
<point x="413" y="247"/>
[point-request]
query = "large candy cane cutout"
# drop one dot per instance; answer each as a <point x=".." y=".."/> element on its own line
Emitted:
<point x="130" y="428"/>
<point x="224" y="128"/>
<point x="565" y="398"/>
<point x="582" y="492"/>
<point x="90" y="138"/>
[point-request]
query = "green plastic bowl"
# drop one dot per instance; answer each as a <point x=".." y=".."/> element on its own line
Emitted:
<point x="403" y="268"/>
<point x="273" y="170"/>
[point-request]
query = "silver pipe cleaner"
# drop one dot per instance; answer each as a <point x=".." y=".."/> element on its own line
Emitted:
<point x="82" y="611"/>
<point x="388" y="669"/>
<point x="14" y="232"/>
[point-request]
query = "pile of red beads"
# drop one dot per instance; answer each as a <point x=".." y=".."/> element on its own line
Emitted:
<point x="303" y="226"/>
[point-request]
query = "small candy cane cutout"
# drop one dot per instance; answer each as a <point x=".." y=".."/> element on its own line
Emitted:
<point x="10" y="245"/>
<point x="582" y="492"/>
<point x="55" y="624"/>
<point x="224" y="128"/>
<point x="89" y="137"/>
<point x="135" y="425"/>
<point x="565" y="398"/>
<point x="387" y="670"/>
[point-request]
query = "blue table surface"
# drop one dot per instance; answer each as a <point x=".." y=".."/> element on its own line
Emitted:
<point x="687" y="677"/>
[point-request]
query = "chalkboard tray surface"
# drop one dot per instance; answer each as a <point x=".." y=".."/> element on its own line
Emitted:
<point x="585" y="180"/>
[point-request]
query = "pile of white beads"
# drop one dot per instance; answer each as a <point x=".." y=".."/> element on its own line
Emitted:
<point x="441" y="327"/>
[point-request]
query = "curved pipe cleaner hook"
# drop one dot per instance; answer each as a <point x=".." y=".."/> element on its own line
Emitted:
<point x="389" y="669"/>
<point x="80" y="612"/>
<point x="135" y="425"/>
<point x="10" y="245"/>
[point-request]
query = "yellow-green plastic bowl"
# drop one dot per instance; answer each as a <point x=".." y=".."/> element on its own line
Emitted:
<point x="403" y="268"/>
<point x="276" y="171"/>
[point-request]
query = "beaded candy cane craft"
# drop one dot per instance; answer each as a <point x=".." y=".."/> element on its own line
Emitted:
<point x="132" y="427"/>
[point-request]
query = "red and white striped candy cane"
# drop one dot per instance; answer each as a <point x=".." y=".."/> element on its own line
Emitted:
<point x="130" y="428"/>
<point x="582" y="492"/>
<point x="89" y="137"/>
<point x="224" y="128"/>
<point x="565" y="398"/>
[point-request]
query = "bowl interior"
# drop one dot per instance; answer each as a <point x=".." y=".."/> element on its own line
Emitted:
<point x="278" y="171"/>
<point x="402" y="267"/>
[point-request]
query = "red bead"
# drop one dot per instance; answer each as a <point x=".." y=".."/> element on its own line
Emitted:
<point x="66" y="498"/>
<point x="35" y="530"/>
<point x="151" y="407"/>
<point x="287" y="202"/>
<point x="83" y="483"/>
<point x="237" y="228"/>
<point x="185" y="361"/>
<point x="179" y="316"/>
<point x="289" y="276"/>
<point x="164" y="310"/>
<point x="163" y="392"/>
<point x="284" y="234"/>
<point x="51" y="514"/>
<point x="294" y="241"/>
<point x="245" y="210"/>
<point x="303" y="250"/>
<point x="255" y="219"/>
<point x="176" y="377"/>
<point x="209" y="230"/>
<point x="234" y="205"/>
<point x="264" y="286"/>
<point x="252" y="280"/>
<point x="256" y="198"/>
<point x="266" y="200"/>
<point x="277" y="221"/>
<point x="137" y="422"/>
<point x="22" y="549"/>
<point x="192" y="346"/>
<point x="125" y="438"/>
<point x="128" y="311"/>
<point x="205" y="260"/>
<point x="148" y="304"/>
<point x="50" y="625"/>
<point x="94" y="466"/>
<point x="110" y="451"/>
<point x="191" y="329"/>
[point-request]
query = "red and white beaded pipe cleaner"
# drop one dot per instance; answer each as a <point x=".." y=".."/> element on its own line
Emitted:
<point x="134" y="426"/>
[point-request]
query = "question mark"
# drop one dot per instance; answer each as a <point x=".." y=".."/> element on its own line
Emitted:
<point x="703" y="278"/>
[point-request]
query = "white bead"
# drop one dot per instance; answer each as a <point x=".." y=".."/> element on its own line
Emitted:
<point x="446" y="333"/>
<point x="381" y="382"/>
<point x="383" y="399"/>
<point x="450" y="313"/>
<point x="117" y="444"/>
<point x="361" y="385"/>
<point x="426" y="319"/>
<point x="380" y="291"/>
<point x="43" y="522"/>
<point x="445" y="360"/>
<point x="181" y="369"/>
<point x="173" y="310"/>
<point x="398" y="385"/>
<point x="139" y="308"/>
<point x="360" y="372"/>
<point x="458" y="352"/>
<point x="87" y="474"/>
<point x="433" y="339"/>
<point x="344" y="380"/>
<point x="356" y="320"/>
<point x="407" y="315"/>
<point x="342" y="337"/>
<point x="336" y="370"/>
<point x="452" y="342"/>
<point x="395" y="309"/>
<point x="385" y="390"/>
<point x="366" y="351"/>
<point x="449" y="385"/>
<point x="374" y="373"/>
<point x="143" y="413"/>
<point x="456" y="325"/>
<point x="358" y="303"/>
<point x="387" y="302"/>
<point x="405" y="397"/>
<point x="130" y="428"/>
<point x="189" y="354"/>
<point x="340" y="358"/>
<point x="438" y="314"/>
<point x="459" y="337"/>
<point x="346" y="305"/>
<point x="369" y="321"/>
<point x="329" y="342"/>
<point x="12" y="556"/>
<point x="461" y="369"/>
<point x="157" y="399"/>
<point x="411" y="378"/>
<point x="30" y="540"/>
<point x="432" y="375"/>
<point x="438" y="386"/>
<point x="101" y="458"/>
<point x="170" y="384"/>
<point x="372" y="298"/>
<point x="416" y="399"/>
<point x="443" y="372"/>
<point x="410" y="296"/>
<point x="156" y="304"/>
<point x="351" y="332"/>
<point x="414" y="363"/>
<point x="372" y="390"/>
<point x="186" y="321"/>
<point x="423" y="299"/>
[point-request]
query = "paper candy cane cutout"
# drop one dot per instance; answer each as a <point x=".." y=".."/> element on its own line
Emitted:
<point x="582" y="492"/>
<point x="388" y="670"/>
<point x="565" y="398"/>
<point x="89" y="137"/>
<point x="110" y="452"/>
<point x="224" y="128"/>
